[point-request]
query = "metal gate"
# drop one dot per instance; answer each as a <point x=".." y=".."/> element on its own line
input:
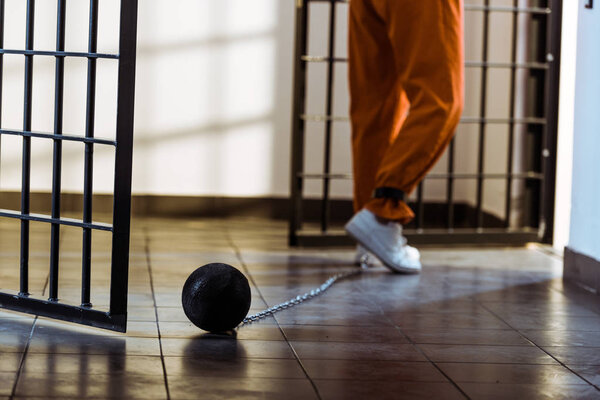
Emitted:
<point x="21" y="300"/>
<point x="448" y="222"/>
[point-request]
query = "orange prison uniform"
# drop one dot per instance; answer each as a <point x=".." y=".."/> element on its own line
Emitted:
<point x="406" y="88"/>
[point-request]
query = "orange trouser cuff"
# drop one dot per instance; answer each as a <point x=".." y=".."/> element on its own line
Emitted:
<point x="392" y="209"/>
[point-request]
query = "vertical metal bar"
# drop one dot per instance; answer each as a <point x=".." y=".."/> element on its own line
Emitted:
<point x="482" y="114"/>
<point x="328" y="120"/>
<point x="123" y="160"/>
<point x="420" y="206"/>
<point x="88" y="182"/>
<point x="57" y="157"/>
<point x="1" y="69"/>
<point x="450" y="186"/>
<point x="26" y="160"/>
<point x="552" y="85"/>
<point x="511" y="126"/>
<point x="298" y="124"/>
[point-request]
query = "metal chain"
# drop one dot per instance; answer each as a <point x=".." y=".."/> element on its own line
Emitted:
<point x="364" y="264"/>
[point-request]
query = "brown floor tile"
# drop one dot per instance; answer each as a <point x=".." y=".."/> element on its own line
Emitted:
<point x="510" y="373"/>
<point x="467" y="336"/>
<point x="213" y="348"/>
<point x="356" y="351"/>
<point x="211" y="388"/>
<point x="9" y="362"/>
<point x="486" y="354"/>
<point x="431" y="321"/>
<point x="344" y="390"/>
<point x="575" y="355"/>
<point x="492" y="391"/>
<point x="589" y="372"/>
<point x="92" y="364"/>
<point x="563" y="338"/>
<point x="91" y="386"/>
<point x="254" y="331"/>
<point x="373" y="370"/>
<point x="234" y="368"/>
<point x="7" y="380"/>
<point x="357" y="334"/>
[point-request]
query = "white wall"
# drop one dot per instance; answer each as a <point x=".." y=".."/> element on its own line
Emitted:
<point x="214" y="99"/>
<point x="585" y="212"/>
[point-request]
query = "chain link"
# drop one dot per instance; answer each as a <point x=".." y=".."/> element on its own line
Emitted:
<point x="364" y="264"/>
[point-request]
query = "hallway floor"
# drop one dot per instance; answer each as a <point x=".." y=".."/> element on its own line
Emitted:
<point x="483" y="323"/>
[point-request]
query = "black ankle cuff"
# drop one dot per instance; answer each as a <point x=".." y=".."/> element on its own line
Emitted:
<point x="389" y="193"/>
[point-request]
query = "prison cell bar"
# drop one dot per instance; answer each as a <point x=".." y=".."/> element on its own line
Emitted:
<point x="329" y="104"/>
<point x="511" y="126"/>
<point x="26" y="162"/>
<point x="57" y="156"/>
<point x="482" y="114"/>
<point x="88" y="184"/>
<point x="450" y="184"/>
<point x="123" y="161"/>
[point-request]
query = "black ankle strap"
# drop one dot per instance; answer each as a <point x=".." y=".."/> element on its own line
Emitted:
<point x="389" y="193"/>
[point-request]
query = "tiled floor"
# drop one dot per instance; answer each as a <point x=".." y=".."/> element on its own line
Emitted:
<point x="477" y="323"/>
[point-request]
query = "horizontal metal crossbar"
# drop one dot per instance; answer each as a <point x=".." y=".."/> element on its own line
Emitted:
<point x="59" y="53"/>
<point x="468" y="64"/>
<point x="514" y="175"/>
<point x="463" y="120"/>
<point x="70" y="138"/>
<point x="429" y="236"/>
<point x="61" y="221"/>
<point x="476" y="7"/>
<point x="53" y="309"/>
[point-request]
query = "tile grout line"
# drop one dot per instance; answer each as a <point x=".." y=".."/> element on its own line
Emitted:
<point x="26" y="349"/>
<point x="162" y="357"/>
<point x="238" y="255"/>
<point x="418" y="348"/>
<point x="541" y="348"/>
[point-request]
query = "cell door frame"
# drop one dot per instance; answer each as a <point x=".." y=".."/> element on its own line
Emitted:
<point x="116" y="318"/>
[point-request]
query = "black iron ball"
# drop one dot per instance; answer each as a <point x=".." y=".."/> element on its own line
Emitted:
<point x="216" y="297"/>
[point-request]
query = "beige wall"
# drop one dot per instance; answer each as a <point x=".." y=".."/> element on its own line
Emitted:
<point x="214" y="99"/>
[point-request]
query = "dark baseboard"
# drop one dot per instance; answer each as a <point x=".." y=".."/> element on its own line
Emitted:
<point x="582" y="270"/>
<point x="434" y="214"/>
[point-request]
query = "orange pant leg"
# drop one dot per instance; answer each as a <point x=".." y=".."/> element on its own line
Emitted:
<point x="402" y="52"/>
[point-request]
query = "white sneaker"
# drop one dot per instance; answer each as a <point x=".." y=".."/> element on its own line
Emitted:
<point x="385" y="241"/>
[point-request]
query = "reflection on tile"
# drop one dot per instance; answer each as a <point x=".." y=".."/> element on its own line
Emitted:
<point x="486" y="354"/>
<point x="234" y="368"/>
<point x="212" y="388"/>
<point x="575" y="355"/>
<point x="211" y="347"/>
<point x="589" y="372"/>
<point x="357" y="334"/>
<point x="563" y="338"/>
<point x="467" y="336"/>
<point x="357" y="351"/>
<point x="7" y="381"/>
<point x="370" y="370"/>
<point x="9" y="362"/>
<point x="92" y="364"/>
<point x="510" y="373"/>
<point x="493" y="391"/>
<point x="91" y="386"/>
<point x="344" y="389"/>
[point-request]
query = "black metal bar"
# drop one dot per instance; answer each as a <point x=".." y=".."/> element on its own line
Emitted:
<point x="26" y="161"/>
<point x="63" y="312"/>
<point x="57" y="156"/>
<point x="2" y="8"/>
<point x="88" y="180"/>
<point x="31" y="52"/>
<point x="420" y="206"/>
<point x="62" y="221"/>
<point x="328" y="124"/>
<point x="550" y="140"/>
<point x="298" y="125"/>
<point x="450" y="184"/>
<point x="482" y="114"/>
<point x="123" y="159"/>
<point x="511" y="126"/>
<point x="69" y="138"/>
